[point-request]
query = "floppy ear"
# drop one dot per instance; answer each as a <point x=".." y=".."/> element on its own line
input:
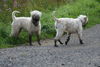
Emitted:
<point x="85" y="19"/>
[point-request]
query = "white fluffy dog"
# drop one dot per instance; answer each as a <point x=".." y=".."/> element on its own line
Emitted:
<point x="69" y="25"/>
<point x="30" y="24"/>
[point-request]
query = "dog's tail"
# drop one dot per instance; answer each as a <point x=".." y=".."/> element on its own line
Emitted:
<point x="54" y="17"/>
<point x="13" y="14"/>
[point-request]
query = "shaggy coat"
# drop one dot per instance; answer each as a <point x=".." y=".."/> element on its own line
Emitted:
<point x="69" y="25"/>
<point x="30" y="24"/>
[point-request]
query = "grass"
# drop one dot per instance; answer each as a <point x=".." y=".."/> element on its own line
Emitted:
<point x="91" y="8"/>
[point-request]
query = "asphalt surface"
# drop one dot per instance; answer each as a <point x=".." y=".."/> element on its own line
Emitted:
<point x="72" y="55"/>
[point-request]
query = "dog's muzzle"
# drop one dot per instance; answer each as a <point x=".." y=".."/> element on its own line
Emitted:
<point x="35" y="20"/>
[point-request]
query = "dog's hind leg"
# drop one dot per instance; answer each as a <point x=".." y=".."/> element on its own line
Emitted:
<point x="58" y="36"/>
<point x="15" y="31"/>
<point x="66" y="42"/>
<point x="60" y="41"/>
<point x="55" y="42"/>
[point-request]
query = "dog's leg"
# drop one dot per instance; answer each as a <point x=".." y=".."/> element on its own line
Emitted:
<point x="19" y="30"/>
<point x="38" y="39"/>
<point x="80" y="38"/>
<point x="68" y="38"/>
<point x="60" y="41"/>
<point x="15" y="31"/>
<point x="30" y="40"/>
<point x="58" y="36"/>
<point x="55" y="41"/>
<point x="81" y="41"/>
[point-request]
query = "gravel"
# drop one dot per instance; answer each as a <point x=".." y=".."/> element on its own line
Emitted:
<point x="72" y="55"/>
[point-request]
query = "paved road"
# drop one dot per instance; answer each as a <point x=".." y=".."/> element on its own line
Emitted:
<point x="72" y="55"/>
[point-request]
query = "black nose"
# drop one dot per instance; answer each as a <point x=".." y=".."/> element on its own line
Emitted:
<point x="35" y="18"/>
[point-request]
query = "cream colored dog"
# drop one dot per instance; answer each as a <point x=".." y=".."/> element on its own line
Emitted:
<point x="30" y="24"/>
<point x="69" y="25"/>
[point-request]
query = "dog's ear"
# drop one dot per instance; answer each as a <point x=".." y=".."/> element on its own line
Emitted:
<point x="85" y="19"/>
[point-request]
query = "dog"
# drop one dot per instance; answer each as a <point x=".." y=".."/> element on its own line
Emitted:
<point x="31" y="24"/>
<point x="69" y="25"/>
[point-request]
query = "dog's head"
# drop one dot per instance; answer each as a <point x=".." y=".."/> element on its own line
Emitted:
<point x="35" y="17"/>
<point x="83" y="19"/>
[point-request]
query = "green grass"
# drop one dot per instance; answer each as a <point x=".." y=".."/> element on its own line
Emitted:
<point x="91" y="8"/>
